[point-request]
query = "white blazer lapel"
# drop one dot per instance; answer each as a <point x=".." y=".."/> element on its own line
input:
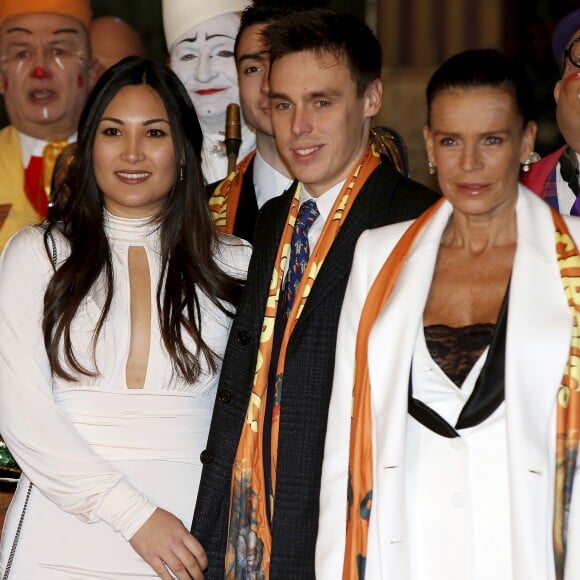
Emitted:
<point x="372" y="250"/>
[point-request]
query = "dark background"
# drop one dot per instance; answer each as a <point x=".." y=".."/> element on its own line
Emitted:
<point x="528" y="26"/>
<point x="527" y="40"/>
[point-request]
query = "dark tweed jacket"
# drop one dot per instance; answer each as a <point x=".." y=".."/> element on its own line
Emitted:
<point x="387" y="197"/>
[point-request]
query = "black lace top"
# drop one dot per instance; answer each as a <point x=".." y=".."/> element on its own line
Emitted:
<point x="456" y="350"/>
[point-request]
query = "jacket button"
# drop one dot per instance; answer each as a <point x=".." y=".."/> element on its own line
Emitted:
<point x="224" y="396"/>
<point x="243" y="337"/>
<point x="206" y="456"/>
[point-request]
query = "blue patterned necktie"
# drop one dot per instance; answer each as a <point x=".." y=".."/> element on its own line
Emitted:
<point x="299" y="253"/>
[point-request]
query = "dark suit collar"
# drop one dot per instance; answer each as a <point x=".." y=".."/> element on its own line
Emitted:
<point x="336" y="267"/>
<point x="372" y="200"/>
<point x="247" y="211"/>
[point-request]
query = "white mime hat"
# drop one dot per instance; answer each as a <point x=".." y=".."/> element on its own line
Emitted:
<point x="179" y="16"/>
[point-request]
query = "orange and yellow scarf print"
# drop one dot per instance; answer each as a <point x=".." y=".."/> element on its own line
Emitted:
<point x="223" y="202"/>
<point x="249" y="539"/>
<point x="568" y="412"/>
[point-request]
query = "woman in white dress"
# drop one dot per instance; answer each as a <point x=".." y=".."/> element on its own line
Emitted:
<point x="459" y="460"/>
<point x="113" y="318"/>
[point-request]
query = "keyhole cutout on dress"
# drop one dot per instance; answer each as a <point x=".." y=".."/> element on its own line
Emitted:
<point x="140" y="285"/>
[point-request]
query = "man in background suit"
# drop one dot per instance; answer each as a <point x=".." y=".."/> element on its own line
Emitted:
<point x="262" y="174"/>
<point x="112" y="40"/>
<point x="555" y="177"/>
<point x="257" y="509"/>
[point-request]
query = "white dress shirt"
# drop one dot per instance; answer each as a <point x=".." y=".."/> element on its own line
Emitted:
<point x="324" y="203"/>
<point x="31" y="146"/>
<point x="566" y="197"/>
<point x="268" y="182"/>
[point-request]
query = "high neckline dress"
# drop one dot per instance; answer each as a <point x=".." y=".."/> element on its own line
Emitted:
<point x="101" y="456"/>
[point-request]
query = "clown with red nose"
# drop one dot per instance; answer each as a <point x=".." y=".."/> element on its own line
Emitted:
<point x="46" y="73"/>
<point x="555" y="177"/>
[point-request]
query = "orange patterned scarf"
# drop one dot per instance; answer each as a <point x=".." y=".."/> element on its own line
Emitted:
<point x="223" y="202"/>
<point x="361" y="453"/>
<point x="249" y="539"/>
<point x="568" y="414"/>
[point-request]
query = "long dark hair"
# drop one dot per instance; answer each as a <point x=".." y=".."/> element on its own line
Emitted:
<point x="187" y="237"/>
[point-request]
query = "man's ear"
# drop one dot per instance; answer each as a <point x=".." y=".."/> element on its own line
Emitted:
<point x="557" y="88"/>
<point x="373" y="98"/>
<point x="94" y="72"/>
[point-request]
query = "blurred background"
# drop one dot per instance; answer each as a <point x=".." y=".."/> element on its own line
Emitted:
<point x="417" y="35"/>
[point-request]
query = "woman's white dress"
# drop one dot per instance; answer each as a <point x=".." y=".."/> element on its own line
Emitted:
<point x="101" y="456"/>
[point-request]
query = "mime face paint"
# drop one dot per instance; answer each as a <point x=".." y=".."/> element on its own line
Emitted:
<point x="203" y="59"/>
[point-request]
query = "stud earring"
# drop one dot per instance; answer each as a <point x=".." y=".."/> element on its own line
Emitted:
<point x="528" y="162"/>
<point x="431" y="168"/>
<point x="181" y="173"/>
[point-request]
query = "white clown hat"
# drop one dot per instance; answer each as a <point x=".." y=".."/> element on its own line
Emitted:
<point x="179" y="16"/>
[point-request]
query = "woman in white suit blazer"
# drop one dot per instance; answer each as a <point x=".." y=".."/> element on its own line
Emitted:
<point x="466" y="357"/>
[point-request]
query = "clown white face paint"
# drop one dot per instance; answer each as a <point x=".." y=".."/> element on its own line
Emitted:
<point x="45" y="73"/>
<point x="203" y="58"/>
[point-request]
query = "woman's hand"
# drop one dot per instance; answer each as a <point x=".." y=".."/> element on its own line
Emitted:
<point x="164" y="543"/>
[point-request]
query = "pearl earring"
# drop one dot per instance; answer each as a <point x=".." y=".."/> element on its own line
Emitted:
<point x="528" y="162"/>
